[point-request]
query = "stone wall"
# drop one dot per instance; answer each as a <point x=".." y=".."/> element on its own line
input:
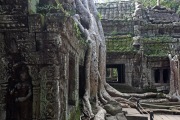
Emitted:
<point x="126" y="59"/>
<point x="45" y="43"/>
<point x="155" y="33"/>
<point x="139" y="70"/>
<point x="156" y="21"/>
<point x="118" y="27"/>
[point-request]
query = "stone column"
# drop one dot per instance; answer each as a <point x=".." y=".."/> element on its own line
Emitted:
<point x="51" y="75"/>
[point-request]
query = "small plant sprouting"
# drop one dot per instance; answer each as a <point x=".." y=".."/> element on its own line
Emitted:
<point x="49" y="8"/>
<point x="100" y="16"/>
<point x="79" y="34"/>
<point x="77" y="31"/>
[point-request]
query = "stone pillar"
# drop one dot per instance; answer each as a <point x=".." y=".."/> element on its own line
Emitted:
<point x="50" y="93"/>
<point x="77" y="80"/>
<point x="63" y="87"/>
<point x="53" y="80"/>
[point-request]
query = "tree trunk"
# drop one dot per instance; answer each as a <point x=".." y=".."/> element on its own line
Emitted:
<point x="158" y="2"/>
<point x="174" y="76"/>
<point x="97" y="91"/>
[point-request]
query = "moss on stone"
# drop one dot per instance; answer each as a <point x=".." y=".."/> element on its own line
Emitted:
<point x="156" y="46"/>
<point x="32" y="6"/>
<point x="119" y="44"/>
<point x="76" y="114"/>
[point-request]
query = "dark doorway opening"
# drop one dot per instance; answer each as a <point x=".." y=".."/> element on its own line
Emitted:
<point x="115" y="73"/>
<point x="161" y="31"/>
<point x="166" y="77"/>
<point x="157" y="75"/>
<point x="71" y="81"/>
<point x="81" y="81"/>
<point x="161" y="75"/>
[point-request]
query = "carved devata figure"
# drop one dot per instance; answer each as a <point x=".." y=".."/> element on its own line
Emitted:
<point x="19" y="94"/>
<point x="174" y="76"/>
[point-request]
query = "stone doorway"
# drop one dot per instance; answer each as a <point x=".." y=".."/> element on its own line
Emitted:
<point x="115" y="73"/>
<point x="81" y="81"/>
<point x="71" y="81"/>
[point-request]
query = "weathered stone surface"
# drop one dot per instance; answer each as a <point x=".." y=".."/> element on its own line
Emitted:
<point x="45" y="45"/>
<point x="13" y="7"/>
<point x="114" y="27"/>
<point x="119" y="116"/>
<point x="47" y="57"/>
<point x="48" y="41"/>
<point x="113" y="108"/>
<point x="136" y="117"/>
<point x="48" y="45"/>
<point x="111" y="118"/>
<point x="13" y="23"/>
<point x="36" y="22"/>
<point x="50" y="104"/>
<point x="2" y="111"/>
<point x="54" y="22"/>
<point x="25" y="41"/>
<point x="50" y="73"/>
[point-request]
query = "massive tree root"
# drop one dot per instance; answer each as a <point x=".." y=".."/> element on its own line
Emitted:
<point x="95" y="59"/>
<point x="97" y="92"/>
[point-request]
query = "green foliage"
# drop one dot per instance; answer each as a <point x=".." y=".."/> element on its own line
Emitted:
<point x="32" y="6"/>
<point x="51" y="8"/>
<point x="148" y="3"/>
<point x="79" y="34"/>
<point x="99" y="16"/>
<point x="44" y="9"/>
<point x="57" y="1"/>
<point x="120" y="44"/>
<point x="156" y="46"/>
<point x="76" y="115"/>
<point x="77" y="30"/>
<point x="153" y="46"/>
<point x="163" y="38"/>
<point x="173" y="4"/>
<point x="178" y="10"/>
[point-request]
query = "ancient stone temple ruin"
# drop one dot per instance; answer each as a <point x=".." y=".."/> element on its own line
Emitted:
<point x="41" y="45"/>
<point x="138" y="42"/>
<point x="42" y="51"/>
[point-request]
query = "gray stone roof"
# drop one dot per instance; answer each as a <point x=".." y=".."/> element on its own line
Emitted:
<point x="162" y="15"/>
<point x="116" y="10"/>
